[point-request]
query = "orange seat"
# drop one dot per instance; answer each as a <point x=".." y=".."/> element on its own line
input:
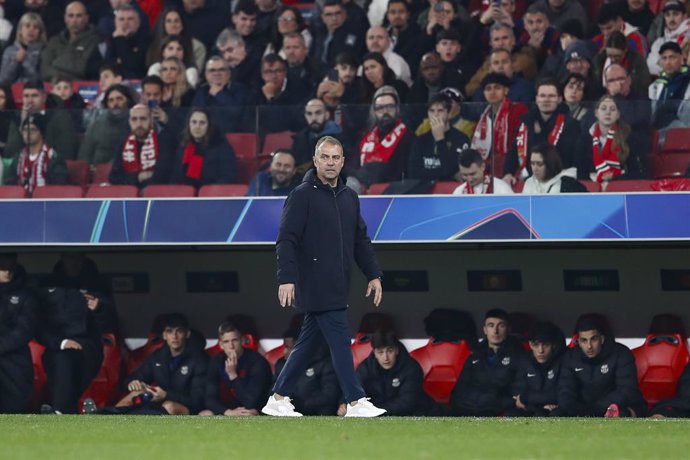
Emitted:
<point x="272" y="356"/>
<point x="58" y="191"/>
<point x="136" y="358"/>
<point x="245" y="145"/>
<point x="660" y="362"/>
<point x="377" y="189"/>
<point x="361" y="348"/>
<point x="441" y="363"/>
<point x="12" y="192"/>
<point x="275" y="141"/>
<point x="112" y="191"/>
<point x="102" y="173"/>
<point x="223" y="190"/>
<point x="166" y="191"/>
<point x="444" y="188"/>
<point x="629" y="186"/>
<point x="40" y="377"/>
<point x="592" y="187"/>
<point x="78" y="171"/>
<point x="104" y="388"/>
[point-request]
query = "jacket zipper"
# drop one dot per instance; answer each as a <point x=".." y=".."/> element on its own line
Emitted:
<point x="340" y="232"/>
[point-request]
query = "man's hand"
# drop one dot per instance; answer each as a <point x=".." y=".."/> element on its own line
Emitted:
<point x="144" y="175"/>
<point x="375" y="287"/>
<point x="438" y="128"/>
<point x="92" y="302"/>
<point x="158" y="393"/>
<point x="241" y="412"/>
<point x="21" y="54"/>
<point x="72" y="345"/>
<point x="536" y="40"/>
<point x="551" y="407"/>
<point x="231" y="365"/>
<point x="159" y="115"/>
<point x="342" y="410"/>
<point x="509" y="179"/>
<point x="286" y="294"/>
<point x="136" y="385"/>
<point x="519" y="403"/>
<point x="271" y="90"/>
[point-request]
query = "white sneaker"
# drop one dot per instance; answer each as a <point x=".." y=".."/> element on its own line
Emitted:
<point x="363" y="408"/>
<point x="280" y="408"/>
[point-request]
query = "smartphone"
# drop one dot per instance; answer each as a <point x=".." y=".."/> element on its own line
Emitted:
<point x="333" y="75"/>
<point x="152" y="104"/>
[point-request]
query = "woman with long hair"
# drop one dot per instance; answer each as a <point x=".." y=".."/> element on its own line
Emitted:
<point x="377" y="74"/>
<point x="288" y="20"/>
<point x="548" y="176"/>
<point x="174" y="46"/>
<point x="172" y="22"/>
<point x="574" y="88"/>
<point x="177" y="92"/>
<point x="21" y="60"/>
<point x="204" y="155"/>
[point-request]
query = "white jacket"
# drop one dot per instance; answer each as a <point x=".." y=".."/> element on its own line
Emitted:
<point x="679" y="35"/>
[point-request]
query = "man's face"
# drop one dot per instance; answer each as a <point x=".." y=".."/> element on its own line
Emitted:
<point x="617" y="81"/>
<point x="233" y="53"/>
<point x="282" y="169"/>
<point x="151" y="92"/>
<point x="273" y="73"/>
<point x="671" y="61"/>
<point x="140" y="121"/>
<point x="328" y="161"/>
<point x="636" y="5"/>
<point x="578" y="66"/>
<point x="76" y="18"/>
<point x="536" y="23"/>
<point x="502" y="38"/>
<point x="574" y="91"/>
<point x="386" y="356"/>
<point x="217" y="73"/>
<point x="33" y="5"/>
<point x="107" y="79"/>
<point x="295" y="51"/>
<point x="175" y="338"/>
<point x="346" y="73"/>
<point x="536" y="161"/>
<point x="231" y="341"/>
<point x="495" y="330"/>
<point x="590" y="342"/>
<point x="244" y="23"/>
<point x="542" y="351"/>
<point x="440" y="111"/>
<point x="548" y="99"/>
<point x="615" y="55"/>
<point x="377" y="40"/>
<point x="116" y="101"/>
<point x="431" y="69"/>
<point x="398" y="15"/>
<point x="448" y="49"/>
<point x="495" y="93"/>
<point x="674" y="19"/>
<point x="385" y="111"/>
<point x="473" y="174"/>
<point x="501" y="62"/>
<point x="127" y="21"/>
<point x="31" y="135"/>
<point x="33" y="100"/>
<point x="316" y="115"/>
<point x="333" y="17"/>
<point x="611" y="26"/>
<point x="192" y="5"/>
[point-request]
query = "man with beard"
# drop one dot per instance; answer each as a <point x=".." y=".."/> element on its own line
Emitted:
<point x="384" y="149"/>
<point x="404" y="33"/>
<point x="535" y="389"/>
<point x="279" y="179"/>
<point x="318" y="125"/>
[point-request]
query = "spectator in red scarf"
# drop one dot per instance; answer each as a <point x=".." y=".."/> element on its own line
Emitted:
<point x="145" y="156"/>
<point x="478" y="181"/>
<point x="37" y="164"/>
<point x="204" y="157"/>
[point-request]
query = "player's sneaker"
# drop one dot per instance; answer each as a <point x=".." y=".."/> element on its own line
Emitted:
<point x="280" y="408"/>
<point x="363" y="408"/>
<point x="613" y="411"/>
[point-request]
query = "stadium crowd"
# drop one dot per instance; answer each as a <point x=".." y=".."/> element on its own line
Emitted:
<point x="537" y="95"/>
<point x="72" y="316"/>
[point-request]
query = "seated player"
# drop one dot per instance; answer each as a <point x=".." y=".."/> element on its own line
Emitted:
<point x="238" y="379"/>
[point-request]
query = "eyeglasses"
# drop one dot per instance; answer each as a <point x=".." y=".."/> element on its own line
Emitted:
<point x="219" y="70"/>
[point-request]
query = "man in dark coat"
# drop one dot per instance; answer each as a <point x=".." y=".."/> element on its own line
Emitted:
<point x="680" y="405"/>
<point x="322" y="234"/>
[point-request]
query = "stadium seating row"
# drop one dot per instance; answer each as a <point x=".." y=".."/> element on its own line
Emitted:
<point x="124" y="191"/>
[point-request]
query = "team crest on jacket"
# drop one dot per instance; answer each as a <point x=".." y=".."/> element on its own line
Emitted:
<point x="604" y="368"/>
<point x="506" y="361"/>
<point x="184" y="370"/>
<point x="14" y="300"/>
<point x="310" y="372"/>
<point x="395" y="382"/>
<point x="550" y="375"/>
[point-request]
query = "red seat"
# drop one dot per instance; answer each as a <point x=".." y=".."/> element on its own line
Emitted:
<point x="78" y="171"/>
<point x="444" y="188"/>
<point x="361" y="348"/>
<point x="17" y="89"/>
<point x="112" y="191"/>
<point x="629" y="186"/>
<point x="245" y="145"/>
<point x="246" y="170"/>
<point x="40" y="377"/>
<point x="102" y="173"/>
<point x="592" y="187"/>
<point x="58" y="191"/>
<point x="135" y="358"/>
<point x="377" y="189"/>
<point x="223" y="190"/>
<point x="442" y="363"/>
<point x="104" y="388"/>
<point x="165" y="191"/>
<point x="670" y="164"/>
<point x="518" y="186"/>
<point x="275" y="141"/>
<point x="272" y="356"/>
<point x="12" y="192"/>
<point x="660" y="362"/>
<point x="677" y="140"/>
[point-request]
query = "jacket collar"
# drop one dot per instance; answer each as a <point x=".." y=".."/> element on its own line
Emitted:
<point x="312" y="178"/>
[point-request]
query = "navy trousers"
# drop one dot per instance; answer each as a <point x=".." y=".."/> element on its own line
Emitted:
<point x="334" y="327"/>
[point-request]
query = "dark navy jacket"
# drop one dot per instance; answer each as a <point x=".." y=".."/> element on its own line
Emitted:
<point x="537" y="384"/>
<point x="321" y="234"/>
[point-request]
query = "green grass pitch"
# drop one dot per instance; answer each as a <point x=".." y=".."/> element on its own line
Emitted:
<point x="122" y="437"/>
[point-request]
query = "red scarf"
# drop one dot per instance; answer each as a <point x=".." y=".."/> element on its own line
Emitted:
<point x="136" y="160"/>
<point x="607" y="165"/>
<point x="492" y="134"/>
<point x="487" y="186"/>
<point x="34" y="173"/>
<point x="193" y="161"/>
<point x="523" y="135"/>
<point x="372" y="148"/>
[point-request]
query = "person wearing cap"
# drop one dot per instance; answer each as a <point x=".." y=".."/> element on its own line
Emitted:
<point x="609" y="19"/>
<point x="672" y="86"/>
<point x="456" y="119"/>
<point x="484" y="386"/>
<point x="384" y="149"/>
<point x="570" y="32"/>
<point x="499" y="123"/>
<point x="519" y="90"/>
<point x="535" y="389"/>
<point x="578" y="59"/>
<point x="561" y="11"/>
<point x="18" y="312"/>
<point x="38" y="164"/>
<point x="677" y="27"/>
<point x="617" y="51"/>
<point x="599" y="376"/>
<point x="434" y="156"/>
<point x="174" y="376"/>
<point x="536" y="33"/>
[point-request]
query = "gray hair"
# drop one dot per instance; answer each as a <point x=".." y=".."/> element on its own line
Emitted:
<point x="328" y="140"/>
<point x="229" y="35"/>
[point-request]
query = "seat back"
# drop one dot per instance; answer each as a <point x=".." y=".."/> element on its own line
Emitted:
<point x="102" y="173"/>
<point x="660" y="362"/>
<point x="592" y="187"/>
<point x="104" y="388"/>
<point x="136" y="358"/>
<point x="58" y="191"/>
<point x="169" y="191"/>
<point x="444" y="188"/>
<point x="361" y="348"/>
<point x="12" y="192"/>
<point x="223" y="190"/>
<point x="629" y="186"/>
<point x="377" y="189"/>
<point x="78" y="171"/>
<point x="40" y="378"/>
<point x="272" y="356"/>
<point x="112" y="191"/>
<point x="670" y="164"/>
<point x="245" y="145"/>
<point x="677" y="140"/>
<point x="275" y="141"/>
<point x="441" y="363"/>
